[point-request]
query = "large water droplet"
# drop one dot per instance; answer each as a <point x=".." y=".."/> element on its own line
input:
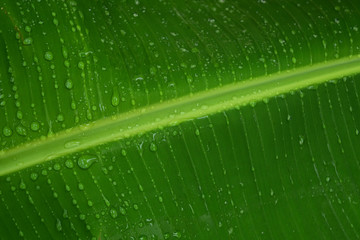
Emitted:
<point x="49" y="56"/>
<point x="57" y="166"/>
<point x="35" y="126"/>
<point x="69" y="84"/>
<point x="113" y="213"/>
<point x="86" y="161"/>
<point x="7" y="131"/>
<point x="21" y="130"/>
<point x="27" y="41"/>
<point x="69" y="163"/>
<point x="60" y="117"/>
<point x="34" y="176"/>
<point x="81" y="65"/>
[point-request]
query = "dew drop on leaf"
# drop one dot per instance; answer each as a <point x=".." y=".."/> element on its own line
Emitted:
<point x="82" y="216"/>
<point x="197" y="132"/>
<point x="177" y="234"/>
<point x="115" y="100"/>
<point x="7" y="131"/>
<point x="69" y="84"/>
<point x="122" y="211"/>
<point x="34" y="126"/>
<point x="58" y="225"/>
<point x="57" y="166"/>
<point x="34" y="176"/>
<point x="85" y="161"/>
<point x="28" y="29"/>
<point x="113" y="213"/>
<point x="301" y="140"/>
<point x="123" y="152"/>
<point x="71" y="144"/>
<point x="69" y="163"/>
<point x="81" y="65"/>
<point x="22" y="185"/>
<point x="48" y="56"/>
<point x="21" y="130"/>
<point x="27" y="41"/>
<point x="153" y="147"/>
<point x="60" y="117"/>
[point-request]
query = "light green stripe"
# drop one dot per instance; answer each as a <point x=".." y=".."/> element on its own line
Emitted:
<point x="172" y="113"/>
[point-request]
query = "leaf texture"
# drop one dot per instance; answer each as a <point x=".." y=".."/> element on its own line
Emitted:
<point x="179" y="119"/>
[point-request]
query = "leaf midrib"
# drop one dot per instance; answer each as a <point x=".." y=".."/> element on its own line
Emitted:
<point x="172" y="112"/>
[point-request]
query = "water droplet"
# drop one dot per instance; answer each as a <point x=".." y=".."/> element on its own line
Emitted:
<point x="115" y="100"/>
<point x="34" y="176"/>
<point x="81" y="65"/>
<point x="7" y="131"/>
<point x="35" y="126"/>
<point x="67" y="63"/>
<point x="197" y="132"/>
<point x="136" y="207"/>
<point x="301" y="140"/>
<point x="49" y="56"/>
<point x="65" y="52"/>
<point x="82" y="216"/>
<point x="69" y="163"/>
<point x="56" y="22"/>
<point x="69" y="84"/>
<point x="57" y="166"/>
<point x="72" y="144"/>
<point x="143" y="237"/>
<point x="60" y="117"/>
<point x="327" y="179"/>
<point x="22" y="185"/>
<point x="153" y="147"/>
<point x="177" y="234"/>
<point x="28" y="29"/>
<point x="122" y="211"/>
<point x="123" y="152"/>
<point x="293" y="60"/>
<point x="27" y="41"/>
<point x="58" y="225"/>
<point x="90" y="203"/>
<point x="88" y="114"/>
<point x="81" y="186"/>
<point x="160" y="199"/>
<point x="30" y="199"/>
<point x="21" y="130"/>
<point x="152" y="70"/>
<point x="86" y="161"/>
<point x="113" y="213"/>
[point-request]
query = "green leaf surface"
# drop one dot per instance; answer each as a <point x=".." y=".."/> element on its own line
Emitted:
<point x="179" y="119"/>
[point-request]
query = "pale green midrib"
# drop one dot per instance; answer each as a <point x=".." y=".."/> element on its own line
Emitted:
<point x="172" y="113"/>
